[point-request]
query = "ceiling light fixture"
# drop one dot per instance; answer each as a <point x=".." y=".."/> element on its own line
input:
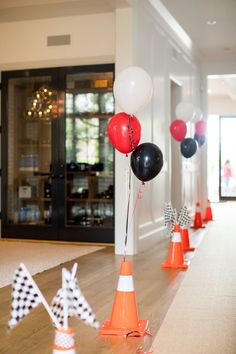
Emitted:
<point x="211" y="22"/>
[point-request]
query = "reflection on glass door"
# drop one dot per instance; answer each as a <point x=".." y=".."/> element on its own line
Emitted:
<point x="29" y="151"/>
<point x="57" y="162"/>
<point x="227" y="157"/>
<point x="89" y="156"/>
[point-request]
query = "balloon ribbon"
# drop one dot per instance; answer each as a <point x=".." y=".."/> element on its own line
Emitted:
<point x="131" y="133"/>
<point x="139" y="196"/>
<point x="127" y="214"/>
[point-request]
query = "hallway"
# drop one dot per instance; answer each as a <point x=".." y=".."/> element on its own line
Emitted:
<point x="202" y="317"/>
<point x="201" y="301"/>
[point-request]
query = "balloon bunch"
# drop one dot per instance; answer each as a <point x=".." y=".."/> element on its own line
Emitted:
<point x="185" y="112"/>
<point x="132" y="91"/>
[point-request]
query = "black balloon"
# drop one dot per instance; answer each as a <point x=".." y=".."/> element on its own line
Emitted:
<point x="146" y="161"/>
<point x="188" y="147"/>
<point x="200" y="139"/>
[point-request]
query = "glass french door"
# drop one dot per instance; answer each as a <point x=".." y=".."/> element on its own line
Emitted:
<point x="227" y="158"/>
<point x="57" y="161"/>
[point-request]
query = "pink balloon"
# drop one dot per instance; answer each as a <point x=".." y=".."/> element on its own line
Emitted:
<point x="200" y="127"/>
<point x="178" y="129"/>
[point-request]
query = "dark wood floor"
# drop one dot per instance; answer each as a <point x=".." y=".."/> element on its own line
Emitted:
<point x="97" y="276"/>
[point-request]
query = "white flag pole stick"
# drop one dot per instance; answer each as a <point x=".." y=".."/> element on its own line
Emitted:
<point x="65" y="307"/>
<point x="74" y="270"/>
<point x="42" y="298"/>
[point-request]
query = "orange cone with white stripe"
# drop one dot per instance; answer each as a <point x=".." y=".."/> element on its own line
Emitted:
<point x="197" y="218"/>
<point x="64" y="341"/>
<point x="185" y="241"/>
<point x="124" y="318"/>
<point x="176" y="254"/>
<point x="208" y="215"/>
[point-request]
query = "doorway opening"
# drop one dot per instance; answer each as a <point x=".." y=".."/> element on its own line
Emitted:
<point x="221" y="142"/>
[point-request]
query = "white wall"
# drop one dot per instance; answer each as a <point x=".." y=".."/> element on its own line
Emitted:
<point x="24" y="44"/>
<point x="163" y="58"/>
<point x="124" y="58"/>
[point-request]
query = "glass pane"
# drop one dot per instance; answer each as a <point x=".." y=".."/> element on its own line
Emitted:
<point x="89" y="155"/>
<point x="30" y="110"/>
<point x="228" y="158"/>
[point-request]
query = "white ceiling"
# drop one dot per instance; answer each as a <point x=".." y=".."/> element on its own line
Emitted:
<point x="216" y="41"/>
<point x="213" y="40"/>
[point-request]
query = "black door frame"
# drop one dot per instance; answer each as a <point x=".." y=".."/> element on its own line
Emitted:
<point x="57" y="230"/>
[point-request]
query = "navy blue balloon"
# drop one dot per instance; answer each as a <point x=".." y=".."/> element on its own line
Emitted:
<point x="200" y="139"/>
<point x="188" y="147"/>
<point x="146" y="161"/>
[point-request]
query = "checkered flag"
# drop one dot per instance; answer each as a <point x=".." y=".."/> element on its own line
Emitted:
<point x="75" y="301"/>
<point x="24" y="296"/>
<point x="170" y="217"/>
<point x="184" y="218"/>
<point x="168" y="212"/>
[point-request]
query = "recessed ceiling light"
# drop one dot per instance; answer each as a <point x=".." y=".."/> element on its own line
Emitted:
<point x="211" y="22"/>
<point x="209" y="91"/>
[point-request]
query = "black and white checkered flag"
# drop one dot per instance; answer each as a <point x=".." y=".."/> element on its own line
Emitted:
<point x="24" y="296"/>
<point x="168" y="212"/>
<point x="76" y="303"/>
<point x="170" y="217"/>
<point x="184" y="218"/>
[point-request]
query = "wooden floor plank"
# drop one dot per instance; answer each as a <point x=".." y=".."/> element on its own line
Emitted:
<point x="97" y="275"/>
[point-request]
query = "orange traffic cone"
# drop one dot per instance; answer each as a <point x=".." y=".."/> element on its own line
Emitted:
<point x="185" y="241"/>
<point x="64" y="341"/>
<point x="208" y="215"/>
<point x="176" y="254"/>
<point x="198" y="218"/>
<point x="124" y="318"/>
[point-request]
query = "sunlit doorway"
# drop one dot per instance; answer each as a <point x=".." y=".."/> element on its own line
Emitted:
<point x="220" y="140"/>
<point x="227" y="158"/>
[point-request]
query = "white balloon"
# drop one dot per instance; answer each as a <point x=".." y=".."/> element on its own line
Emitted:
<point x="133" y="89"/>
<point x="185" y="111"/>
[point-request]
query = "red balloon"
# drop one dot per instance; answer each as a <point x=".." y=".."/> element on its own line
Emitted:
<point x="178" y="129"/>
<point x="200" y="127"/>
<point x="124" y="132"/>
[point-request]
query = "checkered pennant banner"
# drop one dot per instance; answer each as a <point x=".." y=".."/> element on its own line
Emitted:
<point x="77" y="304"/>
<point x="184" y="218"/>
<point x="24" y="296"/>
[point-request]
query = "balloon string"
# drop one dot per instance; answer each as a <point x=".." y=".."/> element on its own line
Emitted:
<point x="139" y="196"/>
<point x="127" y="214"/>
